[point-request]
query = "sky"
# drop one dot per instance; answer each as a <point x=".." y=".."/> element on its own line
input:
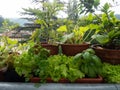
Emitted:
<point x="115" y="6"/>
<point x="12" y="8"/>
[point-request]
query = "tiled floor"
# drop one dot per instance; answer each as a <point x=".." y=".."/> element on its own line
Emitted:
<point x="58" y="86"/>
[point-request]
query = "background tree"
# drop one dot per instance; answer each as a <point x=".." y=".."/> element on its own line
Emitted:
<point x="8" y="25"/>
<point x="1" y="20"/>
<point x="86" y="6"/>
<point x="46" y="16"/>
<point x="72" y="10"/>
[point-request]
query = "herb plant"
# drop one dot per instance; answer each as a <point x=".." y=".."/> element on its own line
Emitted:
<point x="89" y="63"/>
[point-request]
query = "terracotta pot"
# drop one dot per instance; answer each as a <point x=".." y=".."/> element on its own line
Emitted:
<point x="48" y="80"/>
<point x="37" y="80"/>
<point x="99" y="79"/>
<point x="107" y="55"/>
<point x="73" y="49"/>
<point x="53" y="48"/>
<point x="63" y="80"/>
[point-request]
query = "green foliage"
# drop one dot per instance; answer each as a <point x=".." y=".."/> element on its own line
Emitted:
<point x="8" y="25"/>
<point x="89" y="63"/>
<point x="46" y="17"/>
<point x="7" y="52"/>
<point x="28" y="62"/>
<point x="111" y="73"/>
<point x="109" y="29"/>
<point x="79" y="35"/>
<point x="72" y="10"/>
<point x="35" y="62"/>
<point x="86" y="6"/>
<point x="7" y="45"/>
<point x="86" y="20"/>
<point x="61" y="66"/>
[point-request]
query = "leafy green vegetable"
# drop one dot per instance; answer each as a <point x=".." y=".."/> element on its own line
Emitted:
<point x="111" y="73"/>
<point x="28" y="63"/>
<point x="89" y="63"/>
<point x="61" y="66"/>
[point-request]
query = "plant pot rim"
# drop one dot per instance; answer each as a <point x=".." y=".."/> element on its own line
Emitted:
<point x="46" y="44"/>
<point x="83" y="44"/>
<point x="98" y="79"/>
<point x="99" y="47"/>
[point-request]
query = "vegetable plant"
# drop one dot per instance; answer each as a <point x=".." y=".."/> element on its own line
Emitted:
<point x="79" y="35"/>
<point x="89" y="63"/>
<point x="111" y="73"/>
<point x="28" y="62"/>
<point x="61" y="66"/>
<point x="108" y="34"/>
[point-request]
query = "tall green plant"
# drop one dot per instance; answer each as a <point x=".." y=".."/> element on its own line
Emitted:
<point x="45" y="17"/>
<point x="109" y="29"/>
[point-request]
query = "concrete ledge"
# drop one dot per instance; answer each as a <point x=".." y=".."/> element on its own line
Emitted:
<point x="58" y="86"/>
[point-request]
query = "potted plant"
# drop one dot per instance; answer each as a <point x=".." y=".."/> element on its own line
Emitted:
<point x="66" y="69"/>
<point x="53" y="47"/>
<point x="77" y="41"/>
<point x="108" y="37"/>
<point x="52" y="44"/>
<point x="27" y="63"/>
<point x="60" y="69"/>
<point x="90" y="65"/>
<point x="7" y="54"/>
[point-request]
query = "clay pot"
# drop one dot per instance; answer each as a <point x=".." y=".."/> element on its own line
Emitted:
<point x="54" y="49"/>
<point x="63" y="80"/>
<point x="99" y="79"/>
<point x="107" y="55"/>
<point x="73" y="49"/>
<point x="37" y="80"/>
<point x="48" y="80"/>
